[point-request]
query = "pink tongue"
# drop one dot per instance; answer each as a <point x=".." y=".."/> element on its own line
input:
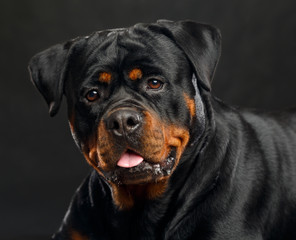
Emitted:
<point x="129" y="159"/>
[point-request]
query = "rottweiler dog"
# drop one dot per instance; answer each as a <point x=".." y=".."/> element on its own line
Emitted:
<point x="170" y="161"/>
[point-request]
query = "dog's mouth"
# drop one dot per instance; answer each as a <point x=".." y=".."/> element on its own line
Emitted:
<point x="132" y="168"/>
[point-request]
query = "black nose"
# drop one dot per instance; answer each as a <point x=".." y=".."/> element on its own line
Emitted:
<point x="123" y="121"/>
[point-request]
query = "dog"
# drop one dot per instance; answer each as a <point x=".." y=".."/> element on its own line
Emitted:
<point x="170" y="161"/>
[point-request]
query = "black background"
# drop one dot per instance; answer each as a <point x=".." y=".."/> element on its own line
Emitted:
<point x="40" y="165"/>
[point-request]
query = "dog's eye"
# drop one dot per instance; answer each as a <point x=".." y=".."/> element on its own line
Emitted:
<point x="92" y="95"/>
<point x="154" y="84"/>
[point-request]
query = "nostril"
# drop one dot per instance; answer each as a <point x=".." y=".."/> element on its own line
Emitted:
<point x="131" y="122"/>
<point x="115" y="125"/>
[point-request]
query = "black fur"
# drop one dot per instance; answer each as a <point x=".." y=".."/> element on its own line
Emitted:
<point x="236" y="177"/>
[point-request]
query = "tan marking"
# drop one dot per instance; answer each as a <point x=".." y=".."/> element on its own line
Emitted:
<point x="122" y="197"/>
<point x="99" y="145"/>
<point x="90" y="153"/>
<point x="78" y="236"/>
<point x="190" y="105"/>
<point x="106" y="146"/>
<point x="89" y="150"/>
<point x="105" y="77"/>
<point x="135" y="74"/>
<point x="125" y="196"/>
<point x="154" y="148"/>
<point x="177" y="137"/>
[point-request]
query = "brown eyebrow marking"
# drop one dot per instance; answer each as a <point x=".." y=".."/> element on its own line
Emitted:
<point x="105" y="77"/>
<point x="135" y="74"/>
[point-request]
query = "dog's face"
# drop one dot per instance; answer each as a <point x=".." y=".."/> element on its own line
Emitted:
<point x="132" y="106"/>
<point x="133" y="100"/>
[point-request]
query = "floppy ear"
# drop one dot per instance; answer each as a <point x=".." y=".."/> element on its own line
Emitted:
<point x="47" y="70"/>
<point x="200" y="42"/>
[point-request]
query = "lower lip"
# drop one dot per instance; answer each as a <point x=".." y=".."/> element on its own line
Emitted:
<point x="144" y="172"/>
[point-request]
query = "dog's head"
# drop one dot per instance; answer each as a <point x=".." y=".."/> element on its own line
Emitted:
<point x="133" y="97"/>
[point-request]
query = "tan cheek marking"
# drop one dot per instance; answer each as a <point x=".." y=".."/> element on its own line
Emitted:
<point x="135" y="74"/>
<point x="190" y="105"/>
<point x="89" y="150"/>
<point x="78" y="236"/>
<point x="105" y="150"/>
<point x="90" y="154"/>
<point x="153" y="139"/>
<point x="105" y="77"/>
<point x="159" y="138"/>
<point x="176" y="137"/>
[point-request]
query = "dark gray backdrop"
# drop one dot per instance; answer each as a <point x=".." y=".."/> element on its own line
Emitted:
<point x="40" y="165"/>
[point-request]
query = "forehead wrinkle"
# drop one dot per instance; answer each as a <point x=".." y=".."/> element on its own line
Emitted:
<point x="158" y="46"/>
<point x="104" y="56"/>
<point x="98" y="40"/>
<point x="138" y="40"/>
<point x="130" y="42"/>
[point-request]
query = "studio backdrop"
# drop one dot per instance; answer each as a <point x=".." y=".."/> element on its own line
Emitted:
<point x="40" y="164"/>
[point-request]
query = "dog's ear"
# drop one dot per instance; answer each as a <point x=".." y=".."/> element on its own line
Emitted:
<point x="48" y="70"/>
<point x="200" y="42"/>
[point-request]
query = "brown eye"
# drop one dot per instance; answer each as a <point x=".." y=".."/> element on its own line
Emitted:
<point x="154" y="84"/>
<point x="92" y="95"/>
